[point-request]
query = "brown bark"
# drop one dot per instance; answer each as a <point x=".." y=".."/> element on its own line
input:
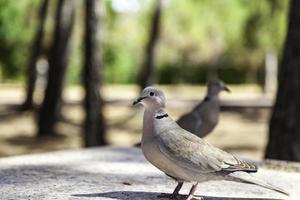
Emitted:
<point x="94" y="122"/>
<point x="284" y="134"/>
<point x="34" y="54"/>
<point x="58" y="62"/>
<point x="145" y="77"/>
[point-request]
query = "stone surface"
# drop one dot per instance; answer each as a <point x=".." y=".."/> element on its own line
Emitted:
<point x="122" y="173"/>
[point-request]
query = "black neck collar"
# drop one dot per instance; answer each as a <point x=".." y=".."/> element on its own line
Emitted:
<point x="162" y="116"/>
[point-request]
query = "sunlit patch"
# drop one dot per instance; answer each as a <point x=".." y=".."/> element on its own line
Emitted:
<point x="126" y="5"/>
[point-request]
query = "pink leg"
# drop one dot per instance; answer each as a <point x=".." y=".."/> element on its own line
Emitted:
<point x="192" y="191"/>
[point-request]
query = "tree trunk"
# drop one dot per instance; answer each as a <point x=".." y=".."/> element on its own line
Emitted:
<point x="145" y="77"/>
<point x="35" y="52"/>
<point x="94" y="122"/>
<point x="58" y="62"/>
<point x="284" y="134"/>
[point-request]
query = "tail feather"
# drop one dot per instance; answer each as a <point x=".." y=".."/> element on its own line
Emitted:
<point x="251" y="179"/>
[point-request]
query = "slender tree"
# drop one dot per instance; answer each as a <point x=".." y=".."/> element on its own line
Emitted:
<point x="34" y="54"/>
<point x="145" y="77"/>
<point x="284" y="133"/>
<point x="58" y="62"/>
<point x="94" y="121"/>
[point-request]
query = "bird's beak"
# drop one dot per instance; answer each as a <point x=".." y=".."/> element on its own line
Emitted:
<point x="138" y="100"/>
<point x="227" y="89"/>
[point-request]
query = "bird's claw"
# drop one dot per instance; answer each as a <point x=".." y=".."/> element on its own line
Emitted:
<point x="192" y="197"/>
<point x="172" y="196"/>
<point x="178" y="196"/>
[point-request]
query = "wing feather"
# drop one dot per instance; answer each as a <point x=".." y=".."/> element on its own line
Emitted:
<point x="193" y="153"/>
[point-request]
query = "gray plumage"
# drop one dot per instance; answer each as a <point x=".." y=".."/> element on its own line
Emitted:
<point x="184" y="156"/>
<point x="205" y="116"/>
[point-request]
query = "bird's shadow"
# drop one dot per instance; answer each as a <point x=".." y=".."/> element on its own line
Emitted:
<point x="137" y="195"/>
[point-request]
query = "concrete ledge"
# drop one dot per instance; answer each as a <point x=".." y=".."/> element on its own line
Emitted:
<point x="122" y="173"/>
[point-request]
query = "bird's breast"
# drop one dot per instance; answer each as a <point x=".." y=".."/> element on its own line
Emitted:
<point x="159" y="160"/>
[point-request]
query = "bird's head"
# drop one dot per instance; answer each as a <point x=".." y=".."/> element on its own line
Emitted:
<point x="217" y="86"/>
<point x="152" y="98"/>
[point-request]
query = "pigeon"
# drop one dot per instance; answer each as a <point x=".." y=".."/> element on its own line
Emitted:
<point x="182" y="155"/>
<point x="205" y="116"/>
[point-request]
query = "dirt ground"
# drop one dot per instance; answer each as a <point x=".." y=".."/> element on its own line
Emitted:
<point x="241" y="133"/>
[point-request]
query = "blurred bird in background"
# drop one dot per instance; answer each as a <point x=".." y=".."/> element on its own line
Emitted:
<point x="205" y="116"/>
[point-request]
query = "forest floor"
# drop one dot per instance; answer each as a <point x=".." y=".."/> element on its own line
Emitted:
<point x="242" y="133"/>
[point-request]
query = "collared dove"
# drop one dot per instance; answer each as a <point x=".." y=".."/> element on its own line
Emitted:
<point x="205" y="116"/>
<point x="184" y="156"/>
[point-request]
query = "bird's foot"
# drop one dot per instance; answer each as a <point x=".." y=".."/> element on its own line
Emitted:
<point x="190" y="197"/>
<point x="172" y="196"/>
<point x="179" y="197"/>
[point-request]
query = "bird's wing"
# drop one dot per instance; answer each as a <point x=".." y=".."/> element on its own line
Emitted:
<point x="240" y="166"/>
<point x="199" y="121"/>
<point x="193" y="153"/>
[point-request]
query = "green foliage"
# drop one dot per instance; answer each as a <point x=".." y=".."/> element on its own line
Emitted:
<point x="229" y="37"/>
<point x="123" y="43"/>
<point x="265" y="24"/>
<point x="15" y="35"/>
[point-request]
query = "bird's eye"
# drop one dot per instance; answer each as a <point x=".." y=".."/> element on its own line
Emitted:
<point x="151" y="93"/>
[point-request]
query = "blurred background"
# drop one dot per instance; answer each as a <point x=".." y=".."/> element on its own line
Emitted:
<point x="70" y="69"/>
